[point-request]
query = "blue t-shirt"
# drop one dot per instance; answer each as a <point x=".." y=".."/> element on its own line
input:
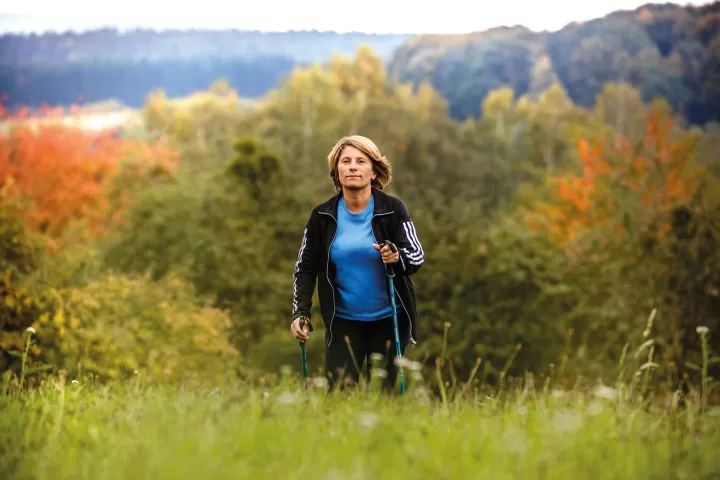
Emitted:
<point x="360" y="278"/>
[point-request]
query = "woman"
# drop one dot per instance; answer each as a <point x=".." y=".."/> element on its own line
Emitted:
<point x="343" y="248"/>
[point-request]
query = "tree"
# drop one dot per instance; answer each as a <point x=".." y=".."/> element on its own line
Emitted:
<point x="618" y="222"/>
<point x="64" y="171"/>
<point x="625" y="187"/>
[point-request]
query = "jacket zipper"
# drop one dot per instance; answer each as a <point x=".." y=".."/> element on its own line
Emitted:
<point x="327" y="275"/>
<point x="397" y="294"/>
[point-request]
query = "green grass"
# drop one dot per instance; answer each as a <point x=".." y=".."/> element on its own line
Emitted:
<point x="133" y="430"/>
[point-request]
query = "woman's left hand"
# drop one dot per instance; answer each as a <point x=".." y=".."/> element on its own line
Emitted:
<point x="387" y="255"/>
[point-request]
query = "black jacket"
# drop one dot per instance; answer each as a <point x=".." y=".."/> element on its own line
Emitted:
<point x="391" y="221"/>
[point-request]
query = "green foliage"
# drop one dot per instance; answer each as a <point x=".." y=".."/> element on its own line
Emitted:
<point x="508" y="292"/>
<point x="258" y="170"/>
<point x="112" y="327"/>
<point x="20" y="304"/>
<point x="201" y="127"/>
<point x="637" y="209"/>
<point x="231" y="232"/>
<point x="119" y="327"/>
<point x="504" y="288"/>
<point x="519" y="261"/>
<point x="19" y="247"/>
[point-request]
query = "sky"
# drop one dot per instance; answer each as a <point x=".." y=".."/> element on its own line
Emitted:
<point x="373" y="16"/>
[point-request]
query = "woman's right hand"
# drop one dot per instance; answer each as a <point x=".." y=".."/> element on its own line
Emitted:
<point x="298" y="332"/>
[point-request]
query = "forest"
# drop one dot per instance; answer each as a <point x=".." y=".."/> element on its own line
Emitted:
<point x="663" y="50"/>
<point x="555" y="235"/>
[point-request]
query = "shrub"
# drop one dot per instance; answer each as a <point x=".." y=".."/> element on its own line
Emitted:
<point x="119" y="326"/>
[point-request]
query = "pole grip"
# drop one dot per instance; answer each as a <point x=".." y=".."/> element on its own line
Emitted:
<point x="302" y="322"/>
<point x="388" y="267"/>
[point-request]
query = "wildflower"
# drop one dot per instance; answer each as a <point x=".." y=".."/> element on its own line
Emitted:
<point x="320" y="382"/>
<point x="566" y="420"/>
<point x="75" y="382"/>
<point x="376" y="357"/>
<point x="379" y="372"/>
<point x="367" y="420"/>
<point x="595" y="408"/>
<point x="421" y="395"/>
<point x="515" y="440"/>
<point x="414" y="366"/>
<point x="286" y="398"/>
<point x="401" y="362"/>
<point x="701" y="330"/>
<point x="601" y="391"/>
<point x="30" y="329"/>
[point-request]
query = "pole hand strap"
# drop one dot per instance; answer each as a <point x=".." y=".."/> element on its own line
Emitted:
<point x="388" y="267"/>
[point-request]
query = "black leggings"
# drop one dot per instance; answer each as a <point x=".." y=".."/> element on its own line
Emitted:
<point x="365" y="339"/>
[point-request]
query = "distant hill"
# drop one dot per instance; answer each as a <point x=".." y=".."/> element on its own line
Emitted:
<point x="60" y="69"/>
<point x="662" y="49"/>
<point x="142" y="45"/>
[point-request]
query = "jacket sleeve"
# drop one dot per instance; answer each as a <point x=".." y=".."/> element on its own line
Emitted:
<point x="305" y="275"/>
<point x="408" y="243"/>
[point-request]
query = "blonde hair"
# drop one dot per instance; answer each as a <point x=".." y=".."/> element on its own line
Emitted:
<point x="381" y="165"/>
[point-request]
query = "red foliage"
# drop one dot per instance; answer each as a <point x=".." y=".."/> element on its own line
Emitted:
<point x="619" y="181"/>
<point x="64" y="170"/>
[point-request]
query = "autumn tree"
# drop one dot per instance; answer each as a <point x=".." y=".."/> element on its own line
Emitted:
<point x="618" y="220"/>
<point x="64" y="172"/>
<point x="629" y="188"/>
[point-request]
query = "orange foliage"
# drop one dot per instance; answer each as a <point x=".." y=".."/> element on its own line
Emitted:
<point x="617" y="182"/>
<point x="63" y="170"/>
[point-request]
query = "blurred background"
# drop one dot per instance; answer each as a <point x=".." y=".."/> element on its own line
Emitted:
<point x="158" y="164"/>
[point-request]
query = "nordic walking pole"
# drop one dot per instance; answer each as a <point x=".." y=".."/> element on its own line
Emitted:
<point x="390" y="274"/>
<point x="303" y="356"/>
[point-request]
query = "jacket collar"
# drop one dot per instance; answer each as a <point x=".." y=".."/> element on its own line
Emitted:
<point x="382" y="203"/>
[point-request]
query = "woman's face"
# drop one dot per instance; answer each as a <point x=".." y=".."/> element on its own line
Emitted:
<point x="355" y="169"/>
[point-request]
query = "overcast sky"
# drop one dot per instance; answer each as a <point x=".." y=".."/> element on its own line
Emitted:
<point x="378" y="16"/>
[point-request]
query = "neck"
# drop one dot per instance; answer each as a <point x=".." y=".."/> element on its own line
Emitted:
<point x="357" y="200"/>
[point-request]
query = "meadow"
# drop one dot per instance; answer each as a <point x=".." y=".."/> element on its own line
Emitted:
<point x="294" y="428"/>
